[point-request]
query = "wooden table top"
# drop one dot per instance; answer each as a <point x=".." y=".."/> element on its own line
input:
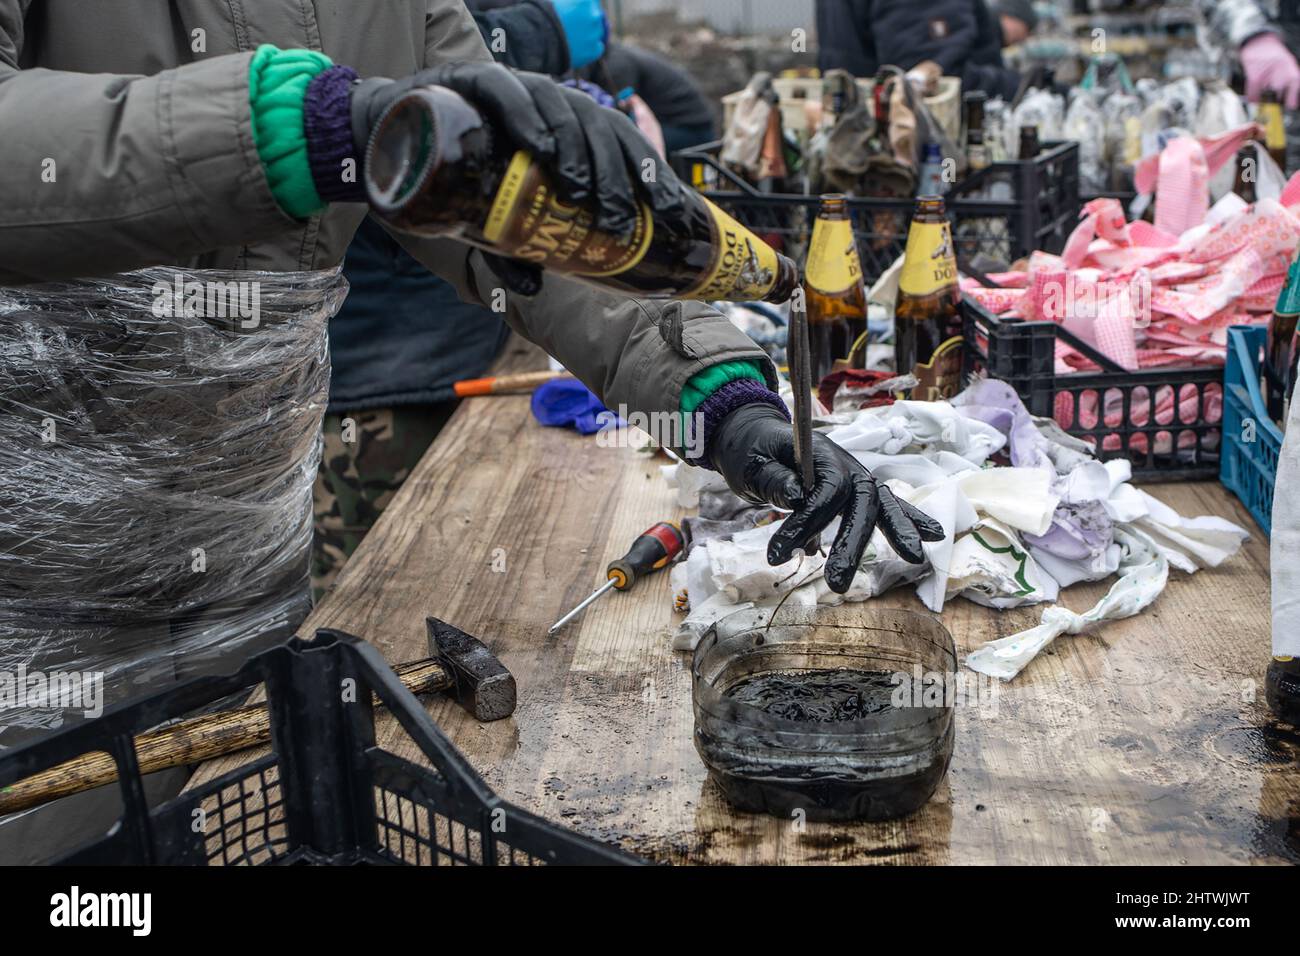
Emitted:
<point x="1148" y="742"/>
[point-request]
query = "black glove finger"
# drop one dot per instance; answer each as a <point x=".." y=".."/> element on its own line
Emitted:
<point x="656" y="178"/>
<point x="819" y="509"/>
<point x="572" y="164"/>
<point x="501" y="95"/>
<point x="775" y="483"/>
<point x="615" y="194"/>
<point x="370" y="98"/>
<point x="857" y="521"/>
<point x="930" y="529"/>
<point x="899" y="529"/>
<point x="520" y="277"/>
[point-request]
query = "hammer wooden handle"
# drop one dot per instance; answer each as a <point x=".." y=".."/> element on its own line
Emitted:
<point x="185" y="742"/>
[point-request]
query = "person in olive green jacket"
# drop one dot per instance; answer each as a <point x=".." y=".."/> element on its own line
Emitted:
<point x="220" y="134"/>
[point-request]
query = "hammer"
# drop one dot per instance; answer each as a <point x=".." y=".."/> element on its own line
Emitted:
<point x="458" y="663"/>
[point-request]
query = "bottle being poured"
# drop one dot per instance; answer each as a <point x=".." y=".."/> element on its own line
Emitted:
<point x="435" y="167"/>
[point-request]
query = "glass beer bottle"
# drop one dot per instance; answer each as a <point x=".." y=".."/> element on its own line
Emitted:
<point x="1288" y="384"/>
<point x="977" y="153"/>
<point x="1270" y="116"/>
<point x="1243" y="184"/>
<point x="1281" y="330"/>
<point x="834" y="293"/>
<point x="927" y="321"/>
<point x="1029" y="147"/>
<point x="436" y="167"/>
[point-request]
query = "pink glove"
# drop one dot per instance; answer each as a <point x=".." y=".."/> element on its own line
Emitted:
<point x="1269" y="65"/>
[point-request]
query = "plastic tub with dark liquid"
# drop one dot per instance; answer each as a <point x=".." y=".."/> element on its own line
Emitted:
<point x="814" y="713"/>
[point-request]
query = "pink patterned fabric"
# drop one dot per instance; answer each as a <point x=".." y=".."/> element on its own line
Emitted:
<point x="1183" y="197"/>
<point x="1162" y="296"/>
<point x="1217" y="149"/>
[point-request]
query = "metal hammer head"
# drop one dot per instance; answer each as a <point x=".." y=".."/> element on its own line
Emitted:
<point x="481" y="682"/>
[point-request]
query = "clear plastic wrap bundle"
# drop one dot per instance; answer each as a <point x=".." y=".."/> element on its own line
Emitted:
<point x="159" y="438"/>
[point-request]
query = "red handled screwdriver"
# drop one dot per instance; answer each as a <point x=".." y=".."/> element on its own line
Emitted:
<point x="652" y="550"/>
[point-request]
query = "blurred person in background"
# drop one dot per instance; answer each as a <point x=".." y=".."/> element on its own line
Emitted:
<point x="1266" y="38"/>
<point x="964" y="37"/>
<point x="403" y="337"/>
<point x="684" y="114"/>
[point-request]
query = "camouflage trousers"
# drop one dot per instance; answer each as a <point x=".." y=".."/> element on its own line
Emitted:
<point x="367" y="456"/>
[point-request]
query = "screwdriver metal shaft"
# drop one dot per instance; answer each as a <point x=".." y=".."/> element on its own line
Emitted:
<point x="607" y="586"/>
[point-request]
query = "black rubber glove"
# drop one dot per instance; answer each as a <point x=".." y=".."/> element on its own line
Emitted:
<point x="753" y="448"/>
<point x="591" y="151"/>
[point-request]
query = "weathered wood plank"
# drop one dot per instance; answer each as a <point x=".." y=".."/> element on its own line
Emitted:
<point x="1143" y="744"/>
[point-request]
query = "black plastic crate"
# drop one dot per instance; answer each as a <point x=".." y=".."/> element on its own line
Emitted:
<point x="327" y="794"/>
<point x="1115" y="410"/>
<point x="1042" y="209"/>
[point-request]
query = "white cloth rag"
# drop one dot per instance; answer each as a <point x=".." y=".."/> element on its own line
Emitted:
<point x="1144" y="571"/>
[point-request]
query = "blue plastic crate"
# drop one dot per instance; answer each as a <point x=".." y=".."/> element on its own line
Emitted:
<point x="1251" y="441"/>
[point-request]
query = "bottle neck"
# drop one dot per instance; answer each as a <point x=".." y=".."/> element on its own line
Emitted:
<point x="929" y="210"/>
<point x="425" y="157"/>
<point x="833" y="207"/>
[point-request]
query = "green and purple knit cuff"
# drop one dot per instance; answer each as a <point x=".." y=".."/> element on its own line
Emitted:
<point x="719" y="390"/>
<point x="302" y="127"/>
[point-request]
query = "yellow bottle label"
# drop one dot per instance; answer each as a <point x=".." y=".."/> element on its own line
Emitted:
<point x="941" y="376"/>
<point x="833" y="264"/>
<point x="1132" y="140"/>
<point x="529" y="221"/>
<point x="928" y="262"/>
<point x="744" y="269"/>
<point x="1270" y="117"/>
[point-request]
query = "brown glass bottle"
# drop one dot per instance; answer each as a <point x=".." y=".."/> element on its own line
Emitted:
<point x="977" y="152"/>
<point x="1269" y="116"/>
<point x="1288" y="383"/>
<point x="435" y="167"/>
<point x="927" y="322"/>
<point x="1029" y="147"/>
<point x="1278" y="375"/>
<point x="834" y="293"/>
<point x="1244" y="184"/>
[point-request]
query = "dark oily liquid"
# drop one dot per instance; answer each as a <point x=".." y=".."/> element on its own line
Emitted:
<point x="762" y="772"/>
<point x="819" y="696"/>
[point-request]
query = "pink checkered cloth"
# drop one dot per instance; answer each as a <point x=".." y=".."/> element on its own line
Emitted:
<point x="1198" y="277"/>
